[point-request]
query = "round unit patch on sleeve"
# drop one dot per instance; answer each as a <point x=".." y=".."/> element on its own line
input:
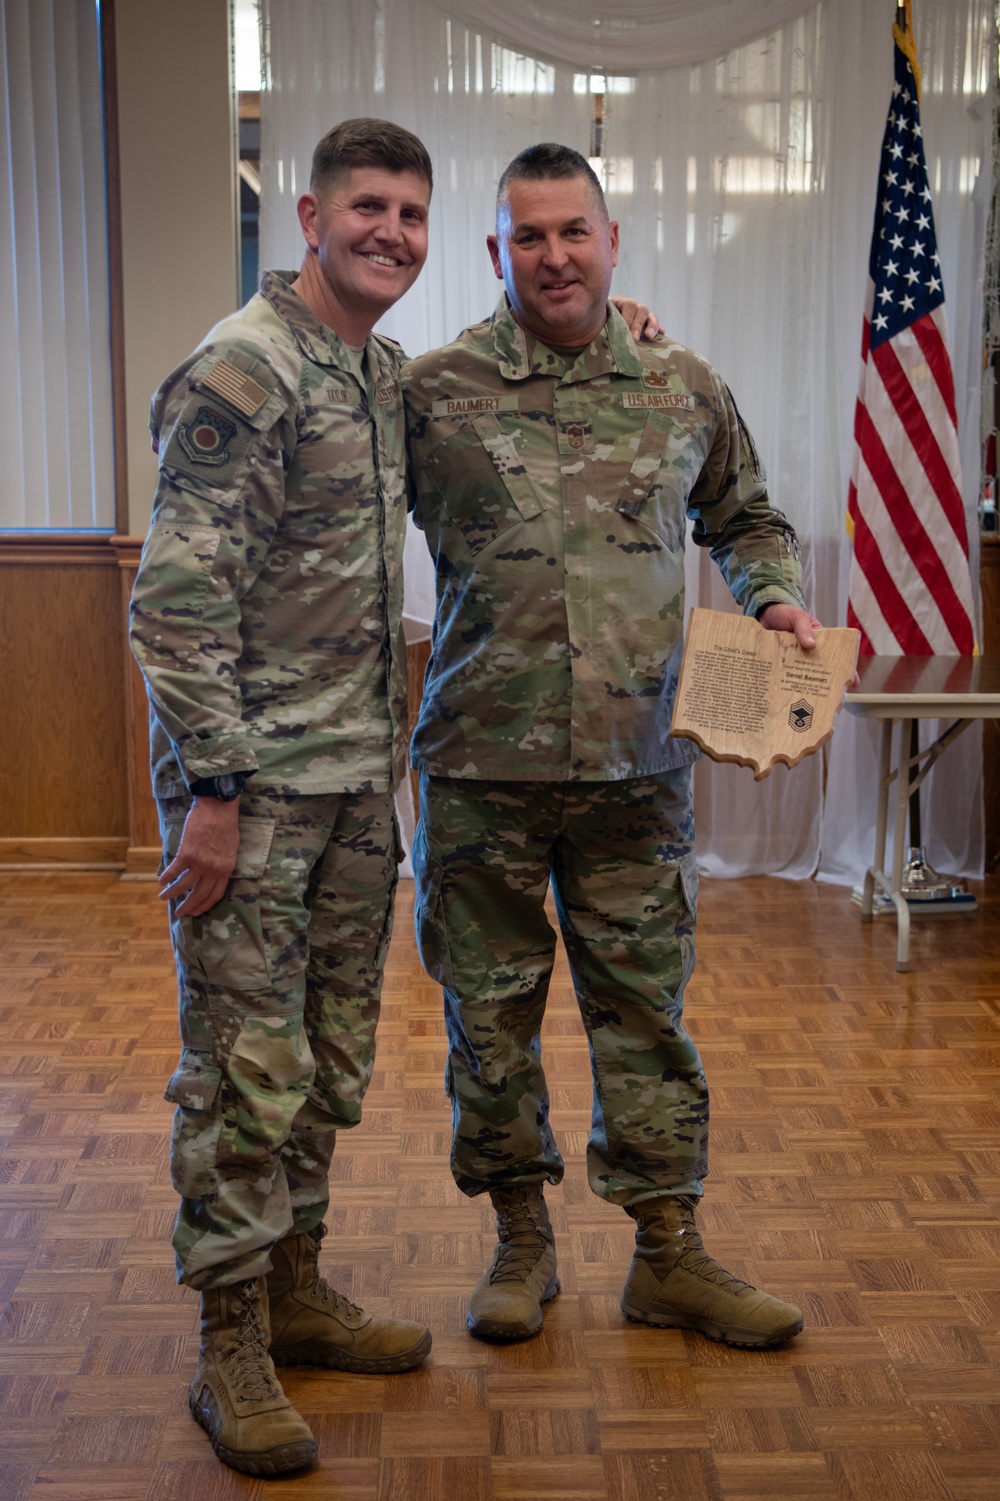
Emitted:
<point x="206" y="438"/>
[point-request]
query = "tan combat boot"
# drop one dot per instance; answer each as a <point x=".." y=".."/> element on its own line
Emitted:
<point x="312" y="1324"/>
<point x="507" y="1300"/>
<point x="235" y="1395"/>
<point x="675" y="1284"/>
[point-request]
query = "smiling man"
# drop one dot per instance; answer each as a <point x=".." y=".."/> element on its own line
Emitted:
<point x="554" y="465"/>
<point x="267" y="622"/>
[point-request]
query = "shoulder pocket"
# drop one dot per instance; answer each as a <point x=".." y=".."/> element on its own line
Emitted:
<point x="246" y="386"/>
<point x="234" y="399"/>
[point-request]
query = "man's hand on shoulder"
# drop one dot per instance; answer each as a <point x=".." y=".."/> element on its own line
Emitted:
<point x="199" y="873"/>
<point x="779" y="617"/>
<point x="641" y="322"/>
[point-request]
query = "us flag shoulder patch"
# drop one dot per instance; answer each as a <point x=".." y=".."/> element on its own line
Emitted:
<point x="241" y="391"/>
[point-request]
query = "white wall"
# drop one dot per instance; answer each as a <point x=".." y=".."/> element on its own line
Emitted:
<point x="179" y="232"/>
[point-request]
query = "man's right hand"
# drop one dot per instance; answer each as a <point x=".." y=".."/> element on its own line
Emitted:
<point x="199" y="873"/>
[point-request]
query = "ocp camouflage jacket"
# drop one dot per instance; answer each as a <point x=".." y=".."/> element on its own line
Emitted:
<point x="266" y="615"/>
<point x="554" y="494"/>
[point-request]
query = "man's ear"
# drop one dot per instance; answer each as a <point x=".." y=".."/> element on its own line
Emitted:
<point x="308" y="212"/>
<point x="493" y="246"/>
<point x="613" y="231"/>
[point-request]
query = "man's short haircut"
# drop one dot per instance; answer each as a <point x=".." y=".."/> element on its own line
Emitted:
<point x="543" y="162"/>
<point x="367" y="143"/>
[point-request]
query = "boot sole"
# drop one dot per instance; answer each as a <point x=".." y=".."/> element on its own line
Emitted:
<point x="493" y="1329"/>
<point x="317" y="1354"/>
<point x="277" y="1461"/>
<point x="742" y="1339"/>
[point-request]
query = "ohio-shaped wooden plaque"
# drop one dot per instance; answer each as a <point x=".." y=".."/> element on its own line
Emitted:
<point x="757" y="697"/>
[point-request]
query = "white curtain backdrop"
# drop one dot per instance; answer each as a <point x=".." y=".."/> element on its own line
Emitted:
<point x="55" y="357"/>
<point x="745" y="185"/>
<point x="628" y="37"/>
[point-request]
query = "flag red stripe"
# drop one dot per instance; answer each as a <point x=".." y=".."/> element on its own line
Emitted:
<point x="869" y="558"/>
<point x="911" y="533"/>
<point x="922" y="437"/>
<point x="935" y="350"/>
<point x="898" y="617"/>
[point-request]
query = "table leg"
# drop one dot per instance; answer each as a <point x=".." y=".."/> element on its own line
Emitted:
<point x="881" y="821"/>
<point x="899" y="844"/>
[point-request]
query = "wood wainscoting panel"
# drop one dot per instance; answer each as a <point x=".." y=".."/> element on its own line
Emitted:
<point x="62" y="724"/>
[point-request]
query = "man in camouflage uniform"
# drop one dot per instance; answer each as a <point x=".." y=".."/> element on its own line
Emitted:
<point x="554" y="464"/>
<point x="267" y="622"/>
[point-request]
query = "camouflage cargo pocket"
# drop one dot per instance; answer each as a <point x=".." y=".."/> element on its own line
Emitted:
<point x="231" y="938"/>
<point x="483" y="482"/>
<point x="662" y="472"/>
<point x="193" y="1088"/>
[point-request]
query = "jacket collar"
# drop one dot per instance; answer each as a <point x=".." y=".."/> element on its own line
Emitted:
<point x="317" y="342"/>
<point x="519" y="354"/>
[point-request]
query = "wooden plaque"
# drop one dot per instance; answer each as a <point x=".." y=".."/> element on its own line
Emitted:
<point x="756" y="697"/>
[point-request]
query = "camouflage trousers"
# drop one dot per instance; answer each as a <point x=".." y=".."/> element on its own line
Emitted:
<point x="620" y="858"/>
<point x="279" y="987"/>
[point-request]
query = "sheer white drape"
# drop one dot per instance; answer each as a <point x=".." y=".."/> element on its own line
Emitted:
<point x="629" y="36"/>
<point x="55" y="358"/>
<point x="745" y="187"/>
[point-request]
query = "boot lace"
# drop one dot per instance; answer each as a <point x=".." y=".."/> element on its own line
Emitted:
<point x="699" y="1263"/>
<point x="521" y="1242"/>
<point x="329" y="1296"/>
<point x="247" y="1356"/>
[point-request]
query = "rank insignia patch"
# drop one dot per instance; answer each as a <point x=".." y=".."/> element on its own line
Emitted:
<point x="206" y="439"/>
<point x="800" y="715"/>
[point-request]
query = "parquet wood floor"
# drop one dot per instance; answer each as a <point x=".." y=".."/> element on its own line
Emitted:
<point x="856" y="1169"/>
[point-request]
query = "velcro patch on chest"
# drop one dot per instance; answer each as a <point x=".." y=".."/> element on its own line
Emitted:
<point x="664" y="401"/>
<point x="241" y="391"/>
<point x="387" y="392"/>
<point x="576" y="437"/>
<point x="459" y="406"/>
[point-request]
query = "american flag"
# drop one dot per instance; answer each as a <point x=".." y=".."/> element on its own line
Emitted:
<point x="910" y="587"/>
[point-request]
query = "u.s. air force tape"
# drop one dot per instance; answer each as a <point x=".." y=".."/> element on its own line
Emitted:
<point x="658" y="400"/>
<point x="241" y="391"/>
